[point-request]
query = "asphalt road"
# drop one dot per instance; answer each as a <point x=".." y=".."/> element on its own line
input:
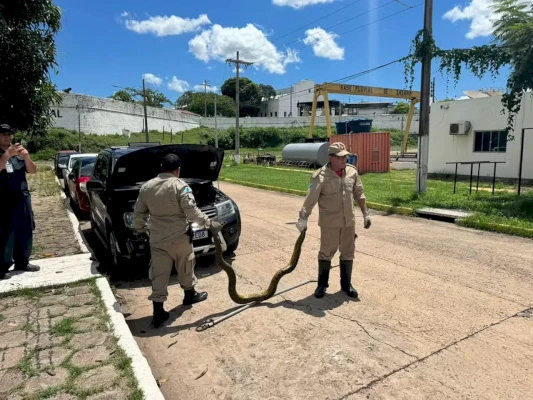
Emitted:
<point x="444" y="313"/>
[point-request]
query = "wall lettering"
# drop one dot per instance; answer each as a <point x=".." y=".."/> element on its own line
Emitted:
<point x="56" y="114"/>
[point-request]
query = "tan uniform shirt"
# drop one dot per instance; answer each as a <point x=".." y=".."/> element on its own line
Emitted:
<point x="335" y="197"/>
<point x="170" y="204"/>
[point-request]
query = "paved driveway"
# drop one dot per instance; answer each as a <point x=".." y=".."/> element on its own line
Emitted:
<point x="444" y="312"/>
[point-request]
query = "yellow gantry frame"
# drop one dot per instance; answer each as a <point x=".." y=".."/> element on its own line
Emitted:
<point x="337" y="88"/>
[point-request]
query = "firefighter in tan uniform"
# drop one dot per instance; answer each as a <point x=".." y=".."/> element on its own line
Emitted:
<point x="170" y="204"/>
<point x="335" y="187"/>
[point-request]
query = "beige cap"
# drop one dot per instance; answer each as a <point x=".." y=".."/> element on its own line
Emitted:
<point x="338" y="149"/>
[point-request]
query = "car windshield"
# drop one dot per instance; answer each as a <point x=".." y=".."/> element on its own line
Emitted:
<point x="63" y="158"/>
<point x="87" y="166"/>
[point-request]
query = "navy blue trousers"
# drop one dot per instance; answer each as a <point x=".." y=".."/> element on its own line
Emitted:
<point x="16" y="235"/>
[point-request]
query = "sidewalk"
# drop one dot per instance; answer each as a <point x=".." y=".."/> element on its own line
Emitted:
<point x="62" y="335"/>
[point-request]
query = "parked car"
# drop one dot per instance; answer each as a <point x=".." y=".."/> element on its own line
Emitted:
<point x="77" y="182"/>
<point x="114" y="186"/>
<point x="72" y="159"/>
<point x="61" y="161"/>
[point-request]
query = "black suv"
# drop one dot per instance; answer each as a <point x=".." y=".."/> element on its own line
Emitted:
<point x="118" y="175"/>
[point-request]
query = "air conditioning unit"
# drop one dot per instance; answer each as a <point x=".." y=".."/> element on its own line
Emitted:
<point x="460" y="128"/>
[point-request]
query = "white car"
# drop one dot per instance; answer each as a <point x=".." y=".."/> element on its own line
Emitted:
<point x="71" y="161"/>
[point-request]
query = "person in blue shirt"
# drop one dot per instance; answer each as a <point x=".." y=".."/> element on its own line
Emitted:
<point x="17" y="225"/>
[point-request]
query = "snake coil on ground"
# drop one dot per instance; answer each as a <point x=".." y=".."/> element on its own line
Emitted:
<point x="271" y="290"/>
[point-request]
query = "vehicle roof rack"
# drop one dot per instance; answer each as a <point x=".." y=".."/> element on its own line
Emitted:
<point x="143" y="144"/>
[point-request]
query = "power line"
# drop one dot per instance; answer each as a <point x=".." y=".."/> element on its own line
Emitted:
<point x="306" y="25"/>
<point x="335" y="25"/>
<point x="349" y="31"/>
<point x="349" y="77"/>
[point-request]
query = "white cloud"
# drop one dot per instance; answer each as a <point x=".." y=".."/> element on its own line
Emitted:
<point x="324" y="44"/>
<point x="167" y="25"/>
<point x="125" y="14"/>
<point x="200" y="88"/>
<point x="220" y="43"/>
<point x="151" y="78"/>
<point x="479" y="12"/>
<point x="178" y="85"/>
<point x="297" y="4"/>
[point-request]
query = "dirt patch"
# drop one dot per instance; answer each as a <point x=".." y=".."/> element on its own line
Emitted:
<point x="53" y="235"/>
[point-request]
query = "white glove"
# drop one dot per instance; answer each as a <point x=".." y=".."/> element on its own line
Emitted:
<point x="367" y="219"/>
<point x="302" y="224"/>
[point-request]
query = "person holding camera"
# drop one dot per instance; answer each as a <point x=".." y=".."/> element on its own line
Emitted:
<point x="16" y="229"/>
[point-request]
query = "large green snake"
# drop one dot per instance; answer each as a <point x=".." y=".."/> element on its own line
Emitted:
<point x="265" y="294"/>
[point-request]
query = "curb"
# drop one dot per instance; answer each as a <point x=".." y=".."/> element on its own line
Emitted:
<point x="497" y="228"/>
<point x="141" y="369"/>
<point x="374" y="206"/>
<point x="405" y="211"/>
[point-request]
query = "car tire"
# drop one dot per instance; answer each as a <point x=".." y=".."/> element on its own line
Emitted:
<point x="115" y="258"/>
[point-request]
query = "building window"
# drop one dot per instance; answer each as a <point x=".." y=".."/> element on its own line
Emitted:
<point x="276" y="113"/>
<point x="490" y="141"/>
<point x="285" y="114"/>
<point x="271" y="114"/>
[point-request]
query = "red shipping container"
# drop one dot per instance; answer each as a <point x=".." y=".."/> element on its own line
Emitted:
<point x="372" y="149"/>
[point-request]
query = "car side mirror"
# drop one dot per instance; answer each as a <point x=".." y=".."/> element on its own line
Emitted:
<point x="62" y="166"/>
<point x="72" y="176"/>
<point x="95" y="186"/>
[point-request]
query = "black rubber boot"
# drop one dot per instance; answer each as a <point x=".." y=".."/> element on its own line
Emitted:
<point x="192" y="297"/>
<point x="323" y="278"/>
<point x="346" y="278"/>
<point x="160" y="315"/>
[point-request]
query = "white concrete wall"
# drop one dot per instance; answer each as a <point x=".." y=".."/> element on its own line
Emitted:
<point x="107" y="116"/>
<point x="484" y="114"/>
<point x="385" y="122"/>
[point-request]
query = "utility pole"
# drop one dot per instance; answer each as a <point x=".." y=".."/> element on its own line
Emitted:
<point x="145" y="114"/>
<point x="216" y="129"/>
<point x="292" y="86"/>
<point x="433" y="91"/>
<point x="205" y="98"/>
<point x="237" y="63"/>
<point x="423" y="133"/>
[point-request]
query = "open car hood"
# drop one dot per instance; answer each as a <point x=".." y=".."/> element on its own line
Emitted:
<point x="197" y="162"/>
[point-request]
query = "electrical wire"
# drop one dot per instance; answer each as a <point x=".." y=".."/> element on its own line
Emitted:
<point x="305" y="26"/>
<point x="349" y="31"/>
<point x="335" y="25"/>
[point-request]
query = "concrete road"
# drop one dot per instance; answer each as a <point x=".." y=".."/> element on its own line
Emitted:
<point x="444" y="313"/>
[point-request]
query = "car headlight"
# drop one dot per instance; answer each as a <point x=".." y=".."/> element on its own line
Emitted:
<point x="83" y="187"/>
<point x="128" y="219"/>
<point x="225" y="209"/>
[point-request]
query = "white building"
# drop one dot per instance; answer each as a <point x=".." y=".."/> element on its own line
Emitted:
<point x="295" y="101"/>
<point x="486" y="140"/>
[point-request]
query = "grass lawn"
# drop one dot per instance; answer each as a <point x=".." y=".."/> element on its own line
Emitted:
<point x="396" y="188"/>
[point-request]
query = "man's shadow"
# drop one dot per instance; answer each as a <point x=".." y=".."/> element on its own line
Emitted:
<point x="309" y="305"/>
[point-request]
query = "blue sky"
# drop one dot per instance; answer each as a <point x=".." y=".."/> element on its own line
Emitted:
<point x="104" y="45"/>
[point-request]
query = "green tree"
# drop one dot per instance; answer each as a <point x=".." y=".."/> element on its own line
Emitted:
<point x="195" y="102"/>
<point x="28" y="51"/>
<point x="154" y="98"/>
<point x="122" y="95"/>
<point x="267" y="91"/>
<point x="511" y="47"/>
<point x="401" y="108"/>
<point x="249" y="98"/>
